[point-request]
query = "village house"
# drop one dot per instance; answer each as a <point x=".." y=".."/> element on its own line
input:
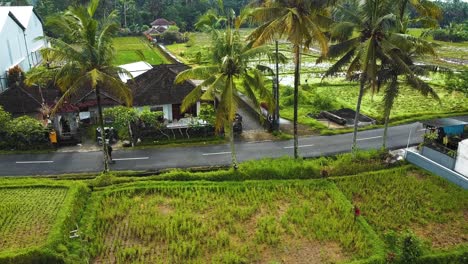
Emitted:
<point x="151" y="86"/>
<point x="20" y="26"/>
<point x="159" y="26"/>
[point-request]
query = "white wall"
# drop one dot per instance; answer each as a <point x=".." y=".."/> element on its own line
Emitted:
<point x="461" y="166"/>
<point x="33" y="31"/>
<point x="12" y="47"/>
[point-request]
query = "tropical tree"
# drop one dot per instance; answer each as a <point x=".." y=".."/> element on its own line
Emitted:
<point x="429" y="13"/>
<point x="399" y="68"/>
<point x="377" y="55"/>
<point x="361" y="53"/>
<point x="230" y="66"/>
<point x="301" y="23"/>
<point x="82" y="58"/>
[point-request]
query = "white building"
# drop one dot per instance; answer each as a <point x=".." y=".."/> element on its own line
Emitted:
<point x="20" y="26"/>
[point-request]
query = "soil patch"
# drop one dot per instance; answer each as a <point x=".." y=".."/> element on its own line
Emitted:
<point x="446" y="235"/>
<point x="306" y="252"/>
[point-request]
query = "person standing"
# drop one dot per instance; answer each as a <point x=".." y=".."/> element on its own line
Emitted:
<point x="109" y="153"/>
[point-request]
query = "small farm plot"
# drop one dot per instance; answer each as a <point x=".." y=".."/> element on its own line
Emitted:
<point x="264" y="222"/>
<point x="407" y="199"/>
<point x="409" y="104"/>
<point x="27" y="215"/>
<point x="130" y="49"/>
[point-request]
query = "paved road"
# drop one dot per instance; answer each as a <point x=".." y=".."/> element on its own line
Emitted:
<point x="183" y="157"/>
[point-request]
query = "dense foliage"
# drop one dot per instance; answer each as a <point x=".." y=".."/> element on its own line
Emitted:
<point x="21" y="133"/>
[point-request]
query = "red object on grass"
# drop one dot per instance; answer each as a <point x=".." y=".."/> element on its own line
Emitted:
<point x="357" y="211"/>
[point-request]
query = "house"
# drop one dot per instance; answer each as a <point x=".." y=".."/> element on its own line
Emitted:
<point x="160" y="25"/>
<point x="156" y="89"/>
<point x="20" y="26"/>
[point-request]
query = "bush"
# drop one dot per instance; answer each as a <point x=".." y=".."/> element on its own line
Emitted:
<point x="171" y="37"/>
<point x="452" y="33"/>
<point x="25" y="133"/>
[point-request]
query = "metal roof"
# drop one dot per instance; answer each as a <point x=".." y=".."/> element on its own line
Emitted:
<point x="444" y="122"/>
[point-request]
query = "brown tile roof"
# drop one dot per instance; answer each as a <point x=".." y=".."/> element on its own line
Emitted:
<point x="156" y="86"/>
<point x="26" y="100"/>
<point x="161" y="22"/>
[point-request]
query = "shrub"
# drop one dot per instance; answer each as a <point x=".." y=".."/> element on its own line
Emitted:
<point x="26" y="133"/>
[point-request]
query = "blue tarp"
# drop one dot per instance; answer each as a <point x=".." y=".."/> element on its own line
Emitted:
<point x="454" y="130"/>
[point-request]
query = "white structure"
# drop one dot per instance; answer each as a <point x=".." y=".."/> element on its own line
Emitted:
<point x="19" y="28"/>
<point x="135" y="69"/>
<point x="461" y="166"/>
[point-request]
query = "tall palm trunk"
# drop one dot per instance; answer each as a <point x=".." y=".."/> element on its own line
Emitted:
<point x="297" y="58"/>
<point x="103" y="133"/>
<point x="233" y="150"/>
<point x="385" y="133"/>
<point x="356" y="117"/>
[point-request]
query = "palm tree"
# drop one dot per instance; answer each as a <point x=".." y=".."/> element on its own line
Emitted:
<point x="362" y="53"/>
<point x="230" y="66"/>
<point x="301" y="22"/>
<point x="404" y="51"/>
<point x="378" y="55"/>
<point x="429" y="13"/>
<point x="82" y="58"/>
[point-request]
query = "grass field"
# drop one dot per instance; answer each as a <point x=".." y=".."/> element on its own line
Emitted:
<point x="128" y="48"/>
<point x="394" y="202"/>
<point x="27" y="215"/>
<point x="264" y="222"/>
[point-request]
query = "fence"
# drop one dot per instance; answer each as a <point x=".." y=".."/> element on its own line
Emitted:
<point x="176" y="133"/>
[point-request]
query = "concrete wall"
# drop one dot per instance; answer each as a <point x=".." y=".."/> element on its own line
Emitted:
<point x="462" y="158"/>
<point x="438" y="157"/>
<point x="427" y="164"/>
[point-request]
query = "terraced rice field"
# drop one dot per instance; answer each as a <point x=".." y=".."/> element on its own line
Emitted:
<point x="27" y="215"/>
<point x="265" y="222"/>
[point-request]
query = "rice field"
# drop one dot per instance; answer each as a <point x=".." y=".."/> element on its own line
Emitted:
<point x="250" y="222"/>
<point x="404" y="199"/>
<point x="27" y="215"/>
<point x="127" y="51"/>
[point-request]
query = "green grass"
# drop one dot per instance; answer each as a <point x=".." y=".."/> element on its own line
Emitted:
<point x="403" y="199"/>
<point x="128" y="48"/>
<point x="197" y="222"/>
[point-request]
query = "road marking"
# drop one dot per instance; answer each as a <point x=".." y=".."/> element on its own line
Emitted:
<point x="300" y="146"/>
<point x="218" y="153"/>
<point x="35" y="162"/>
<point x="360" y="139"/>
<point x="121" y="159"/>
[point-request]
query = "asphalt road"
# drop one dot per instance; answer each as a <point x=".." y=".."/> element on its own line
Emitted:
<point x="212" y="155"/>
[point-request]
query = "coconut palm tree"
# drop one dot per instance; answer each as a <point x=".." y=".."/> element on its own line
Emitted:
<point x="301" y="22"/>
<point x="230" y="66"/>
<point x="362" y="53"/>
<point x="377" y="55"/>
<point x="399" y="68"/>
<point x="429" y="13"/>
<point x="82" y="57"/>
